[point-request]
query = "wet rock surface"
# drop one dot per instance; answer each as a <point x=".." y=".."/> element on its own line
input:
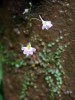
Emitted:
<point x="62" y="15"/>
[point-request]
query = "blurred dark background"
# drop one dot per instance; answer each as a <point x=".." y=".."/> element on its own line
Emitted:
<point x="4" y="2"/>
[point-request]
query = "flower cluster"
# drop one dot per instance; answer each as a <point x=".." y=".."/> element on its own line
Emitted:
<point x="28" y="50"/>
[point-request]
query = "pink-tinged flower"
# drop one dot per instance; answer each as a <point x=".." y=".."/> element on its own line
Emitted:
<point x="45" y="24"/>
<point x="28" y="50"/>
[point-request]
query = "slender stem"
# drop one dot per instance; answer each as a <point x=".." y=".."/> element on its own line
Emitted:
<point x="35" y="19"/>
<point x="41" y="18"/>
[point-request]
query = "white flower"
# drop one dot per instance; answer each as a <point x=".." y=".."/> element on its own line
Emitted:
<point x="45" y="24"/>
<point x="28" y="50"/>
<point x="25" y="11"/>
<point x="17" y="31"/>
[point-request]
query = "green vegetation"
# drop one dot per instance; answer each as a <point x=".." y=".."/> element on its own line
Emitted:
<point x="51" y="64"/>
<point x="27" y="82"/>
<point x="1" y="72"/>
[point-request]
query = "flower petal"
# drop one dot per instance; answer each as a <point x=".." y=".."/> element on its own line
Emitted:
<point x="22" y="48"/>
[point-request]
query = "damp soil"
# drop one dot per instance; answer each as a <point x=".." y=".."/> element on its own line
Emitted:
<point x="62" y="15"/>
